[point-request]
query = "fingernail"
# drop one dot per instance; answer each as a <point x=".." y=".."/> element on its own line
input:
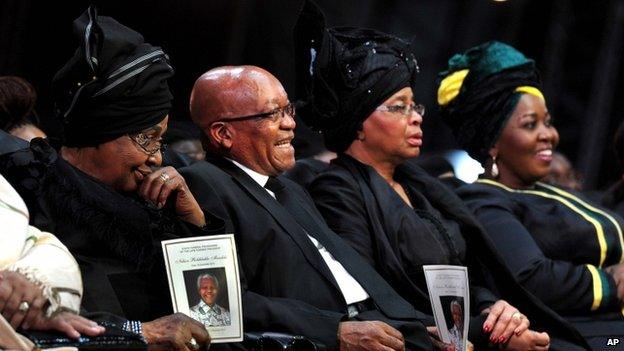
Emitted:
<point x="492" y="339"/>
<point x="161" y="205"/>
<point x="486" y="328"/>
<point x="501" y="339"/>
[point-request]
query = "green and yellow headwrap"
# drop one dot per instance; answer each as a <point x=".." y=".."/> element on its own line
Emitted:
<point x="479" y="91"/>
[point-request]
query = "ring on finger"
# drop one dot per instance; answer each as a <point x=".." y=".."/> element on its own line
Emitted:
<point x="192" y="344"/>
<point x="23" y="306"/>
<point x="165" y="178"/>
<point x="517" y="316"/>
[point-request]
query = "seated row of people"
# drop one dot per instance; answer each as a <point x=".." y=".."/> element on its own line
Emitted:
<point x="342" y="267"/>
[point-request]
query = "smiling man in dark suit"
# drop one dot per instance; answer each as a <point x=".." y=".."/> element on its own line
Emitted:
<point x="297" y="275"/>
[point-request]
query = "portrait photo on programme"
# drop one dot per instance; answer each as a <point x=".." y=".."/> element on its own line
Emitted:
<point x="207" y="294"/>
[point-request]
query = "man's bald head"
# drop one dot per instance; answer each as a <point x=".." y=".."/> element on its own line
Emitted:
<point x="230" y="91"/>
<point x="261" y="140"/>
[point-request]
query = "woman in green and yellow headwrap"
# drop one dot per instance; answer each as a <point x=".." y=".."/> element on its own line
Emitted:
<point x="562" y="248"/>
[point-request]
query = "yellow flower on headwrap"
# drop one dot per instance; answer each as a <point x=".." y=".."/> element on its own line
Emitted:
<point x="450" y="86"/>
<point x="530" y="90"/>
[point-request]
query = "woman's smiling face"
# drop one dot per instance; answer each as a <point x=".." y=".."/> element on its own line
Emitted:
<point x="524" y="150"/>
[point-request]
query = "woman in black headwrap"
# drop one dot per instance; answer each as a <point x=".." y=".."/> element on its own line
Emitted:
<point x="358" y="89"/>
<point x="103" y="193"/>
<point x="561" y="247"/>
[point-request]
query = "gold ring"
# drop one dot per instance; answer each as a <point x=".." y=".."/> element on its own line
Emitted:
<point x="165" y="178"/>
<point x="24" y="306"/>
<point x="192" y="344"/>
<point x="517" y="316"/>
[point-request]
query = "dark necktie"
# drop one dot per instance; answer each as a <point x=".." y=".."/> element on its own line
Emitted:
<point x="275" y="186"/>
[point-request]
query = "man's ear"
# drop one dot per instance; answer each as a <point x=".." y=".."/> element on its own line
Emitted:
<point x="221" y="135"/>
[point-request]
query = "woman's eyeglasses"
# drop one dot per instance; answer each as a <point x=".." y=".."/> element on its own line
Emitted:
<point x="405" y="110"/>
<point x="274" y="115"/>
<point x="149" y="145"/>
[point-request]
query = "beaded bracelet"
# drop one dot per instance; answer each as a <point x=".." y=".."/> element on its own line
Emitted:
<point x="133" y="327"/>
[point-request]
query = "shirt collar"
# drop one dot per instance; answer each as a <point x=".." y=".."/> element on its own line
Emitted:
<point x="204" y="306"/>
<point x="257" y="177"/>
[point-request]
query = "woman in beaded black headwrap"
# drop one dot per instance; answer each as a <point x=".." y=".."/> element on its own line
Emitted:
<point x="561" y="247"/>
<point x="104" y="194"/>
<point x="357" y="84"/>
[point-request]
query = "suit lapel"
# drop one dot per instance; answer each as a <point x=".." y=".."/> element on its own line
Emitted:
<point x="280" y="214"/>
<point x="378" y="289"/>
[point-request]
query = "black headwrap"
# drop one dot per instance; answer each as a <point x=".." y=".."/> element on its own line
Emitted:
<point x="343" y="74"/>
<point x="477" y="106"/>
<point x="115" y="83"/>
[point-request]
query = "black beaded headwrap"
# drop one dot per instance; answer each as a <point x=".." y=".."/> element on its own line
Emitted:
<point x="344" y="74"/>
<point x="115" y="83"/>
<point x="487" y="95"/>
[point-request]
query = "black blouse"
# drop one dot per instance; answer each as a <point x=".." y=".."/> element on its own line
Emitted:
<point x="556" y="242"/>
<point x="428" y="237"/>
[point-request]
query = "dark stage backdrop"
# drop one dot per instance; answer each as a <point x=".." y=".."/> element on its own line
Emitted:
<point x="576" y="44"/>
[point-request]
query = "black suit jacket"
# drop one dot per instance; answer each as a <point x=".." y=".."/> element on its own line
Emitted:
<point x="286" y="284"/>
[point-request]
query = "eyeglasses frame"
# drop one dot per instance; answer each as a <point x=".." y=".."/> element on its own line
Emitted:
<point x="161" y="146"/>
<point x="263" y="115"/>
<point x="418" y="108"/>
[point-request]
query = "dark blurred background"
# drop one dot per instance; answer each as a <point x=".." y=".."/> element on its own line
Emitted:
<point x="577" y="46"/>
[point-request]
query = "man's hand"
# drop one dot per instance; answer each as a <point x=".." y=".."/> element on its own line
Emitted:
<point x="174" y="332"/>
<point x="503" y="321"/>
<point x="528" y="341"/>
<point x="16" y="290"/>
<point x="160" y="184"/>
<point x="69" y="323"/>
<point x="434" y="336"/>
<point x="373" y="335"/>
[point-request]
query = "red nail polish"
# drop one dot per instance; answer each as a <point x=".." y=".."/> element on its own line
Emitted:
<point x="501" y="339"/>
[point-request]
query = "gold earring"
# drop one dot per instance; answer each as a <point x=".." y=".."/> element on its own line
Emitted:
<point x="494" y="170"/>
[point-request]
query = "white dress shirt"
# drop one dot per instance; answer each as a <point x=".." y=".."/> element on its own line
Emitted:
<point x="350" y="288"/>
